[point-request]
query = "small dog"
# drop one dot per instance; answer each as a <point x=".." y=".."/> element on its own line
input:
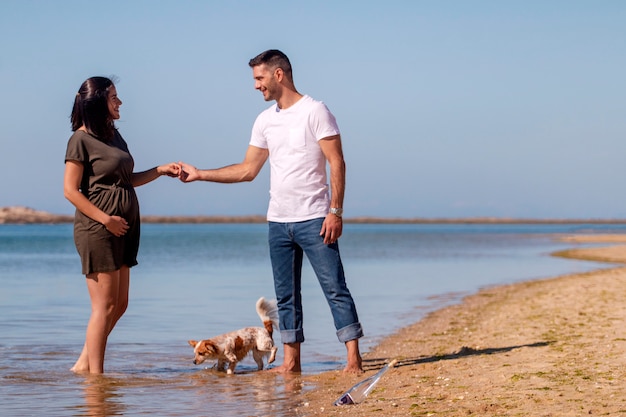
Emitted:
<point x="232" y="347"/>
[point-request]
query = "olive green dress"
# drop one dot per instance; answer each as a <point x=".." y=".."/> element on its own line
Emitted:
<point x="106" y="182"/>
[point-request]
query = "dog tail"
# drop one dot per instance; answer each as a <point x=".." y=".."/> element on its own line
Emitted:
<point x="268" y="312"/>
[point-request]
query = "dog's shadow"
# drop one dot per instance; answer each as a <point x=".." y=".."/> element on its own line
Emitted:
<point x="370" y="364"/>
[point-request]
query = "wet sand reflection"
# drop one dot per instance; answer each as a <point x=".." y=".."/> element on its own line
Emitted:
<point x="103" y="397"/>
<point x="206" y="390"/>
<point x="269" y="394"/>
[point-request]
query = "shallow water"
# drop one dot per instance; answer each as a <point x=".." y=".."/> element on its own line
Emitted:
<point x="196" y="281"/>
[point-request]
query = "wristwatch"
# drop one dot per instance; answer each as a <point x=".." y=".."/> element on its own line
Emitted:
<point x="336" y="211"/>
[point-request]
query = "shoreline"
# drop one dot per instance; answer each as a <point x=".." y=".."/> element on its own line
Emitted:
<point x="27" y="215"/>
<point x="546" y="347"/>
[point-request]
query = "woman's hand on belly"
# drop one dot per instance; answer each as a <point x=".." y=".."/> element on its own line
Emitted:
<point x="117" y="225"/>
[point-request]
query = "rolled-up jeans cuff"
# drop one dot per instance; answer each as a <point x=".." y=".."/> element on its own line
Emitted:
<point x="292" y="336"/>
<point x="350" y="332"/>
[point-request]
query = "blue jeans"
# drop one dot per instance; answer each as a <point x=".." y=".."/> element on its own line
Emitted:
<point x="288" y="242"/>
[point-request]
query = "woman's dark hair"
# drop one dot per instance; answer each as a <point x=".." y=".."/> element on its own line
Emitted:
<point x="91" y="108"/>
<point x="273" y="58"/>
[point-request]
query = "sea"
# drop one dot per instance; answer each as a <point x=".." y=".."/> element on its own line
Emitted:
<point x="195" y="281"/>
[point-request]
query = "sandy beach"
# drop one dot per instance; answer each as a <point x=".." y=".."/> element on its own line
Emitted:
<point x="551" y="347"/>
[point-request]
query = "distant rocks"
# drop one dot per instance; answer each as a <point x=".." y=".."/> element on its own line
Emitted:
<point x="26" y="215"/>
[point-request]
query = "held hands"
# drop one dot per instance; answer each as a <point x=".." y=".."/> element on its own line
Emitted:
<point x="188" y="173"/>
<point x="180" y="170"/>
<point x="171" y="170"/>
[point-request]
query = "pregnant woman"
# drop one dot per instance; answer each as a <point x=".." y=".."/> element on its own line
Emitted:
<point x="99" y="181"/>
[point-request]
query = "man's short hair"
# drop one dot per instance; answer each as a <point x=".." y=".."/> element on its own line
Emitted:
<point x="273" y="58"/>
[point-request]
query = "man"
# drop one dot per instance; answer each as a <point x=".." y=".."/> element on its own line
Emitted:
<point x="299" y="135"/>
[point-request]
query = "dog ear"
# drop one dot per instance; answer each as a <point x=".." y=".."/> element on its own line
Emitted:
<point x="209" y="346"/>
<point x="193" y="343"/>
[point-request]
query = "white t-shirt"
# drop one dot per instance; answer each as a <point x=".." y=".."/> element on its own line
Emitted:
<point x="298" y="182"/>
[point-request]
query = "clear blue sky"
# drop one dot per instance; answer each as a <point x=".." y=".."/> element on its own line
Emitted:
<point x="447" y="108"/>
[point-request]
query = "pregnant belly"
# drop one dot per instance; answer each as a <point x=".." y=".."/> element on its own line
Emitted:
<point x="115" y="200"/>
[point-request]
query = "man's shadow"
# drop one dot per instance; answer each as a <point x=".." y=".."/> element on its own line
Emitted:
<point x="370" y="364"/>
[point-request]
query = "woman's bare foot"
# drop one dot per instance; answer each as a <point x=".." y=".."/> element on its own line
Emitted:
<point x="79" y="369"/>
<point x="82" y="363"/>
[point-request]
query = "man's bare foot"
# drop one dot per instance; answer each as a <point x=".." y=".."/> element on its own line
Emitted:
<point x="354" y="365"/>
<point x="353" y="369"/>
<point x="291" y="362"/>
